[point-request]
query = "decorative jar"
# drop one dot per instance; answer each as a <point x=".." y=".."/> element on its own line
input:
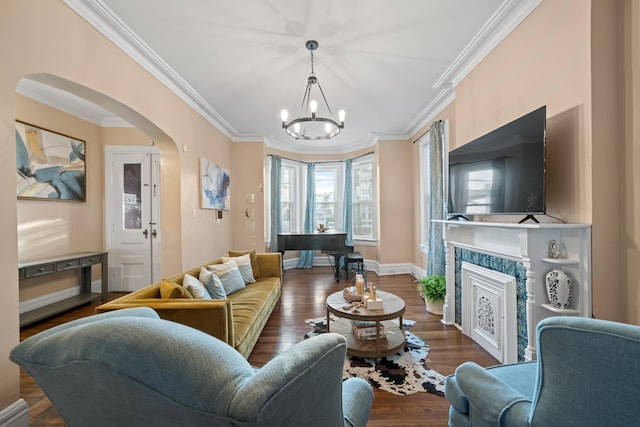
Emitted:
<point x="559" y="288"/>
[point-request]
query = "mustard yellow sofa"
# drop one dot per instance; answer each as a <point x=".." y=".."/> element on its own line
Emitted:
<point x="237" y="320"/>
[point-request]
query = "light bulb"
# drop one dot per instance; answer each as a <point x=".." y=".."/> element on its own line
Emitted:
<point x="313" y="106"/>
<point x="327" y="128"/>
<point x="341" y="115"/>
<point x="284" y="114"/>
<point x="296" y="128"/>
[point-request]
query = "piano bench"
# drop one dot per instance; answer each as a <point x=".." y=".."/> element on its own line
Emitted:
<point x="353" y="258"/>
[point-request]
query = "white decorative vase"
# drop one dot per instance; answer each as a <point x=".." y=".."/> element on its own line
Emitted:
<point x="558" y="288"/>
<point x="434" y="307"/>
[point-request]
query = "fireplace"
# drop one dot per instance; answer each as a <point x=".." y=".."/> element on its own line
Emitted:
<point x="491" y="311"/>
<point x="486" y="309"/>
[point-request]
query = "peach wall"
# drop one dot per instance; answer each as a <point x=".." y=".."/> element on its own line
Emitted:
<point x="47" y="38"/>
<point x="607" y="173"/>
<point x="630" y="239"/>
<point x="50" y="228"/>
<point x="553" y="70"/>
<point x="247" y="189"/>
<point x="395" y="195"/>
<point x="566" y="55"/>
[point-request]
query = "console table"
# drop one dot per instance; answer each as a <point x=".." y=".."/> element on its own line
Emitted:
<point x="77" y="261"/>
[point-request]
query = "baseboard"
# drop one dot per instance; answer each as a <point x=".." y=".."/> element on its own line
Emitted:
<point x="44" y="300"/>
<point x="380" y="269"/>
<point x="15" y="415"/>
<point x="391" y="269"/>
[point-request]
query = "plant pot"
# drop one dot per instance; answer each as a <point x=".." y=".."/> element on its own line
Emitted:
<point x="434" y="307"/>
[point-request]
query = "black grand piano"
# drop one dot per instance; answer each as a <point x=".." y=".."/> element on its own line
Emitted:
<point x="331" y="243"/>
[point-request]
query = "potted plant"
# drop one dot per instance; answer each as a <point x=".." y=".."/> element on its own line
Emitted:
<point x="433" y="289"/>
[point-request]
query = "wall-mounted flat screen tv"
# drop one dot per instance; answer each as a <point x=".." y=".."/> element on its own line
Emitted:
<point x="502" y="172"/>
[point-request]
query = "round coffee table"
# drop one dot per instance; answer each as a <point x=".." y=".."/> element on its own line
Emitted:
<point x="393" y="339"/>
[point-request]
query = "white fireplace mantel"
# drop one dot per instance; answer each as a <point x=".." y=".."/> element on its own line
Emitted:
<point x="527" y="243"/>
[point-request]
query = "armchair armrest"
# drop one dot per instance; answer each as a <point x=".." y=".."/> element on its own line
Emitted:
<point x="301" y="384"/>
<point x="491" y="401"/>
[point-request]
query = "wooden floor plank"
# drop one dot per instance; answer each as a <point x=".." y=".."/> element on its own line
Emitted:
<point x="303" y="297"/>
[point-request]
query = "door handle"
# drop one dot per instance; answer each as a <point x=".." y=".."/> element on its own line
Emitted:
<point x="146" y="233"/>
<point x="154" y="233"/>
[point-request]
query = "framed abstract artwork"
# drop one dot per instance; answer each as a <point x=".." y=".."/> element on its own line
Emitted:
<point x="49" y="165"/>
<point x="214" y="186"/>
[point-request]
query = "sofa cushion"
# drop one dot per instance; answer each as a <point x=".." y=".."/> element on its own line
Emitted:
<point x="244" y="266"/>
<point x="196" y="287"/>
<point x="173" y="290"/>
<point x="254" y="261"/>
<point x="213" y="284"/>
<point x="251" y="310"/>
<point x="229" y="276"/>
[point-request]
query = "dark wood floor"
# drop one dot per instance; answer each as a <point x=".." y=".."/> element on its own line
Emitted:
<point x="303" y="296"/>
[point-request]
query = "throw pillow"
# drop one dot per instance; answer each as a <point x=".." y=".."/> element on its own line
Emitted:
<point x="229" y="276"/>
<point x="244" y="266"/>
<point x="254" y="260"/>
<point x="212" y="283"/>
<point x="196" y="287"/>
<point x="173" y="290"/>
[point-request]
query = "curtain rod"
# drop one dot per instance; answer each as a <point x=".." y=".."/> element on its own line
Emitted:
<point x="425" y="132"/>
<point x="323" y="161"/>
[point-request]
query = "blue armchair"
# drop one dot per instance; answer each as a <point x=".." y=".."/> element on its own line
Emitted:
<point x="587" y="374"/>
<point x="129" y="367"/>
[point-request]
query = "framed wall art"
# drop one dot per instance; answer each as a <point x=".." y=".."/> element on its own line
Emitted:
<point x="49" y="165"/>
<point x="214" y="186"/>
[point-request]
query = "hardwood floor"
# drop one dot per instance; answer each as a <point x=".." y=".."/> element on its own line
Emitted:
<point x="303" y="296"/>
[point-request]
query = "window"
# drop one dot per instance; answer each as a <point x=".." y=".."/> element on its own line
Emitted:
<point x="329" y="191"/>
<point x="363" y="191"/>
<point x="286" y="198"/>
<point x="328" y="184"/>
<point x="425" y="193"/>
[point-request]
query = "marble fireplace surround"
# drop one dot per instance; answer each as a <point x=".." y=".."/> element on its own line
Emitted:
<point x="526" y="243"/>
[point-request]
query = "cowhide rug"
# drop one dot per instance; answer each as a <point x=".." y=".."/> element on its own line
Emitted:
<point x="402" y="373"/>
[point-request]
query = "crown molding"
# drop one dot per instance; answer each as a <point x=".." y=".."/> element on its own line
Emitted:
<point x="510" y="14"/>
<point x="69" y="103"/>
<point x="108" y="24"/>
<point x="296" y="147"/>
<point x="446" y="96"/>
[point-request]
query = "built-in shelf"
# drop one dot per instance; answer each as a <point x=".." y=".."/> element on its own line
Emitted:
<point x="527" y="244"/>
<point x="561" y="261"/>
<point x="565" y="311"/>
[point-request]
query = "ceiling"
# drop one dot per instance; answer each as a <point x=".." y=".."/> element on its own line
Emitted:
<point x="392" y="65"/>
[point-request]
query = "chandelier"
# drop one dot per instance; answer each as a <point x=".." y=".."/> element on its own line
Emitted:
<point x="309" y="124"/>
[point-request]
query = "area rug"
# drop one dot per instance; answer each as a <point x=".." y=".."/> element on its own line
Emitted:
<point x="402" y="373"/>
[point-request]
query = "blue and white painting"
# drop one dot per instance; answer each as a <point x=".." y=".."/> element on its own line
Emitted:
<point x="214" y="184"/>
<point x="49" y="165"/>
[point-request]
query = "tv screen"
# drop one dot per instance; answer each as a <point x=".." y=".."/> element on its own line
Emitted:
<point x="502" y="172"/>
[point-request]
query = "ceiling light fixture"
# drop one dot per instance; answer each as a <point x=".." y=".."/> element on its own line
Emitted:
<point x="309" y="124"/>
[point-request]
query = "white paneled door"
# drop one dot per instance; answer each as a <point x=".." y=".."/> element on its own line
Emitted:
<point x="132" y="216"/>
